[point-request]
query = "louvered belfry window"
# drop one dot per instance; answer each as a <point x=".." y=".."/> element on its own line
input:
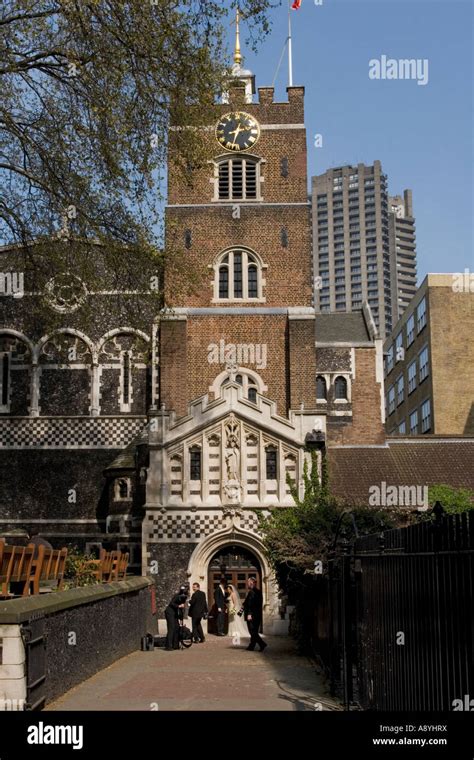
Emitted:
<point x="238" y="179"/>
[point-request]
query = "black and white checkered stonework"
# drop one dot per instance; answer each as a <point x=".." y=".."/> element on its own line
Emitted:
<point x="69" y="432"/>
<point x="192" y="526"/>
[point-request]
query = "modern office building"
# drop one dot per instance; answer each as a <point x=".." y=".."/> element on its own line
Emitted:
<point x="401" y="225"/>
<point x="363" y="244"/>
<point x="429" y="356"/>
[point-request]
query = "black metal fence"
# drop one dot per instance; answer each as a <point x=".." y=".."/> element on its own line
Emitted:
<point x="395" y="618"/>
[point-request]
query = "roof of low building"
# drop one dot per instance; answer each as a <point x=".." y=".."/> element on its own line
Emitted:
<point x="413" y="461"/>
<point x="341" y="328"/>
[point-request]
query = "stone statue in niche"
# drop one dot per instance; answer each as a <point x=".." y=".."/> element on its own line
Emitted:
<point x="232" y="487"/>
<point x="232" y="460"/>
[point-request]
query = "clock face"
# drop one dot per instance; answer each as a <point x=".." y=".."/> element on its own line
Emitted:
<point x="237" y="131"/>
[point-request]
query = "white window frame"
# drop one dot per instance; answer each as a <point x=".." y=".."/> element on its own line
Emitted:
<point x="422" y="418"/>
<point x="421" y="315"/>
<point x="412" y="381"/>
<point x="230" y="159"/>
<point x="412" y="414"/>
<point x="246" y="373"/>
<point x="391" y="396"/>
<point x="327" y="379"/>
<point x="410" y="327"/>
<point x="117" y="496"/>
<point x="347" y="378"/>
<point x="400" y="391"/>
<point x="423" y="369"/>
<point x="261" y="282"/>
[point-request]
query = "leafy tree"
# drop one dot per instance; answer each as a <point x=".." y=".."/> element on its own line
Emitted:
<point x="453" y="500"/>
<point x="89" y="90"/>
<point x="297" y="537"/>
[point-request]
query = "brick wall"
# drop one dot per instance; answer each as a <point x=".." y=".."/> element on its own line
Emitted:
<point x="186" y="372"/>
<point x="173" y="365"/>
<point x="451" y="325"/>
<point x="301" y="363"/>
<point x="366" y="425"/>
<point x="273" y="146"/>
<point x="288" y="272"/>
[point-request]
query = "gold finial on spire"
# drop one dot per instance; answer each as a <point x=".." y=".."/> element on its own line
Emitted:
<point x="237" y="53"/>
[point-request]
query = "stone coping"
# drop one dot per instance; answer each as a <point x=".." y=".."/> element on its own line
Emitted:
<point x="16" y="611"/>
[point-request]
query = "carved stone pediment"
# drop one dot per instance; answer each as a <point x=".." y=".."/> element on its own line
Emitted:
<point x="234" y="512"/>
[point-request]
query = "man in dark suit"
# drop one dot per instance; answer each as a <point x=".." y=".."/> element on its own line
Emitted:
<point x="253" y="613"/>
<point x="174" y="608"/>
<point x="220" y="598"/>
<point x="197" y="610"/>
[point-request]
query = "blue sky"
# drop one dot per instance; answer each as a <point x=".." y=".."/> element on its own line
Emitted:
<point x="423" y="135"/>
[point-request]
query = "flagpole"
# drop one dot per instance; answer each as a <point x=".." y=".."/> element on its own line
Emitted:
<point x="290" y="52"/>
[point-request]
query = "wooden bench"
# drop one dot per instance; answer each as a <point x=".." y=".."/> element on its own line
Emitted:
<point x="48" y="566"/>
<point x="122" y="564"/>
<point x="15" y="567"/>
<point x="111" y="566"/>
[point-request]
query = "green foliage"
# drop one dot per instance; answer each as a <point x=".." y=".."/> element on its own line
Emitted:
<point x="79" y="570"/>
<point x="296" y="537"/>
<point x="453" y="500"/>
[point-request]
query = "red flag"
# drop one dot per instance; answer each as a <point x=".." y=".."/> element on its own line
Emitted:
<point x="297" y="4"/>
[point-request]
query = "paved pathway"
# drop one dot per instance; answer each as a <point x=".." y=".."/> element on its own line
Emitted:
<point x="215" y="675"/>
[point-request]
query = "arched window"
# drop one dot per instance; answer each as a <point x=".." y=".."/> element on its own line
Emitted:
<point x="125" y="390"/>
<point x="238" y="276"/>
<point x="248" y="384"/>
<point x="340" y="388"/>
<point x="224" y="278"/>
<point x="238" y="179"/>
<point x="252" y="394"/>
<point x="195" y="463"/>
<point x="321" y="388"/>
<point x="123" y="491"/>
<point x="5" y="381"/>
<point x="251" y="382"/>
<point x="271" y="462"/>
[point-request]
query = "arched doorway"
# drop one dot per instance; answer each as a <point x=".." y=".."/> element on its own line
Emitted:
<point x="238" y="564"/>
<point x="215" y="544"/>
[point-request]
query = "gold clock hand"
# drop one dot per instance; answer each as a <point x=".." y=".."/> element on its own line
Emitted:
<point x="236" y="132"/>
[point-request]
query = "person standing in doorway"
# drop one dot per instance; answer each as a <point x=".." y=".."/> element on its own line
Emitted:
<point x="253" y="613"/>
<point x="220" y="598"/>
<point x="197" y="610"/>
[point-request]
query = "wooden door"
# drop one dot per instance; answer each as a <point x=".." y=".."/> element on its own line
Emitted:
<point x="237" y="564"/>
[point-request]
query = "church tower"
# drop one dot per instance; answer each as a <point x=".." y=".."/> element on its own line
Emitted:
<point x="247" y="374"/>
<point x="245" y="223"/>
<point x="237" y="355"/>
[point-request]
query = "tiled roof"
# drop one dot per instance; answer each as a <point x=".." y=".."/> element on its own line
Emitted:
<point x="409" y="462"/>
<point x="341" y="328"/>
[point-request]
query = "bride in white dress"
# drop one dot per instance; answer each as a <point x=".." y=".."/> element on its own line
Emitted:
<point x="237" y="625"/>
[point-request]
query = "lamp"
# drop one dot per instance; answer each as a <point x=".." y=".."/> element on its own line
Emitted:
<point x="315" y="440"/>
